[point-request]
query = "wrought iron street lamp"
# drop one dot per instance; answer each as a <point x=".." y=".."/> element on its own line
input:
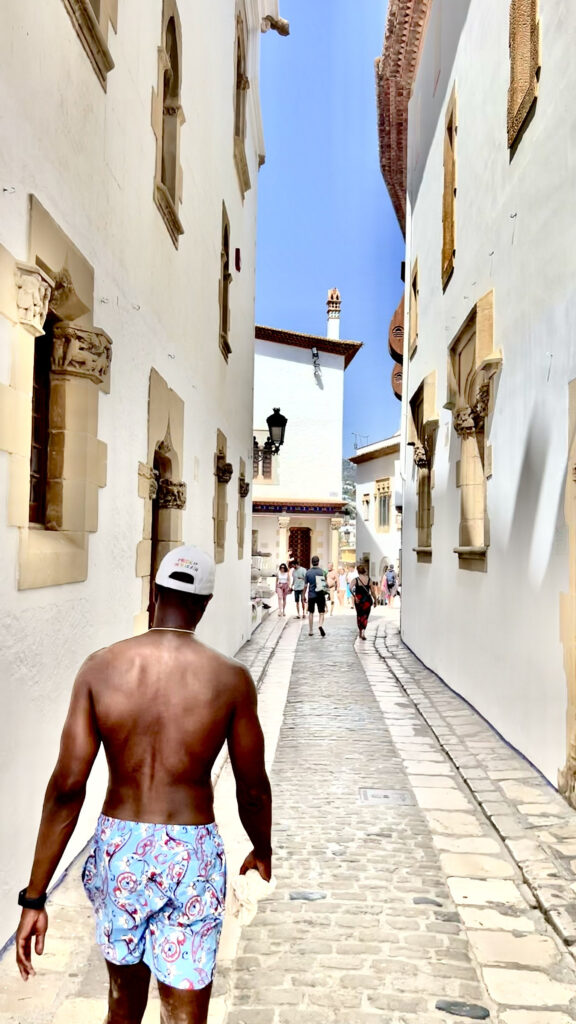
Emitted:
<point x="276" y="430"/>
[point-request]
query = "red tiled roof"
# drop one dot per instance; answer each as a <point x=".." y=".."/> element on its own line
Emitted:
<point x="347" y="349"/>
<point x="395" y="74"/>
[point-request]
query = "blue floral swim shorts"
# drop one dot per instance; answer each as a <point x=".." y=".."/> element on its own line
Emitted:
<point x="158" y="895"/>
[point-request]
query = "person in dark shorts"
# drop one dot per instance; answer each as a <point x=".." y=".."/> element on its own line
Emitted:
<point x="298" y="586"/>
<point x="317" y="590"/>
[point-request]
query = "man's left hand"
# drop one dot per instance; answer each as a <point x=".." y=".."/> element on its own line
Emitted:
<point x="32" y="923"/>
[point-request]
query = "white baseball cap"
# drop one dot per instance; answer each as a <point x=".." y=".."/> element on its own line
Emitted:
<point x="187" y="569"/>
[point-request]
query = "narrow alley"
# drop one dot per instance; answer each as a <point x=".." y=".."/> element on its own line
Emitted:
<point x="422" y="876"/>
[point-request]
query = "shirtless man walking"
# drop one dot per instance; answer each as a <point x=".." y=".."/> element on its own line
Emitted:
<point x="162" y="705"/>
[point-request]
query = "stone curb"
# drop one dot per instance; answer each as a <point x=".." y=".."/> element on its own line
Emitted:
<point x="547" y="859"/>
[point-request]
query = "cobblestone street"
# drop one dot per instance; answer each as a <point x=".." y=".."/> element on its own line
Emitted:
<point x="423" y="876"/>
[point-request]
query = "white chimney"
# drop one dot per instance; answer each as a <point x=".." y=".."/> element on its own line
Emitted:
<point x="334" y="305"/>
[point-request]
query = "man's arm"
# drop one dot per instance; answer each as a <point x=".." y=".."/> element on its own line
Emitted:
<point x="62" y="805"/>
<point x="246" y="750"/>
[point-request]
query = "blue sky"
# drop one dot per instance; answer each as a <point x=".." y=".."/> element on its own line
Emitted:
<point x="325" y="219"/>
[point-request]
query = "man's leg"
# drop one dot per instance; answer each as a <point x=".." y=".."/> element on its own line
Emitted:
<point x="183" y="1006"/>
<point x="128" y="993"/>
<point x="310" y="618"/>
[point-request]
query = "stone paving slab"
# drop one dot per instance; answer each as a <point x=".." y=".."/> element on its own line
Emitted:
<point x="535" y="822"/>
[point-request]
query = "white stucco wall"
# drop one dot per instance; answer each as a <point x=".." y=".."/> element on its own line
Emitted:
<point x="495" y="637"/>
<point x="89" y="157"/>
<point x="383" y="546"/>
<point x="309" y="465"/>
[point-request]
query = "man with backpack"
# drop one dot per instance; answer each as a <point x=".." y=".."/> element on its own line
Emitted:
<point x="317" y="589"/>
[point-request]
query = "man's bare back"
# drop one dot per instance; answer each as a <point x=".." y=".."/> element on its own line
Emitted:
<point x="163" y="707"/>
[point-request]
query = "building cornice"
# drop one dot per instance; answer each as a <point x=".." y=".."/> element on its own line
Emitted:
<point x="395" y="75"/>
<point x="298" y="508"/>
<point x="346" y="349"/>
<point x="376" y="451"/>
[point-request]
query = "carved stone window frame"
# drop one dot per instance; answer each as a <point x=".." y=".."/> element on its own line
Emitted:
<point x="422" y="434"/>
<point x="382" y="489"/>
<point x="414" y="312"/>
<point x="449" y="190"/>
<point x="241" y="87"/>
<point x="57" y="277"/>
<point x="165" y="446"/>
<point x="168" y="197"/>
<point x="92" y="31"/>
<point x="223" y="472"/>
<point x="525" y="66"/>
<point x="243" y="492"/>
<point x="471" y="401"/>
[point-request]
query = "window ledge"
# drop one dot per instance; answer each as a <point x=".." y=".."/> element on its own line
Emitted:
<point x="90" y="35"/>
<point x="468" y="552"/>
<point x="241" y="165"/>
<point x="165" y="204"/>
<point x="422" y="551"/>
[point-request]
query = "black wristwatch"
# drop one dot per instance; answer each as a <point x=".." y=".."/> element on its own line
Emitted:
<point x="31" y="904"/>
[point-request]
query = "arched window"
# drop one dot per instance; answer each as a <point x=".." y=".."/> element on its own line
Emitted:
<point x="224" y="290"/>
<point x="170" y="111"/>
<point x="167" y="120"/>
<point x="241" y="87"/>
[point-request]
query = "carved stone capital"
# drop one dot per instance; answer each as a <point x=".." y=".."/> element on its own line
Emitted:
<point x="482" y="403"/>
<point x="243" y="487"/>
<point x="284" y="522"/>
<point x="34" y="289"/>
<point x="81" y="352"/>
<point x="171" y="494"/>
<point x="224" y="470"/>
<point x="421" y="456"/>
<point x="335" y="524"/>
<point x="464" y="422"/>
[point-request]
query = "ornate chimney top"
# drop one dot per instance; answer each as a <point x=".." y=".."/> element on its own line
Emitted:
<point x="334" y="305"/>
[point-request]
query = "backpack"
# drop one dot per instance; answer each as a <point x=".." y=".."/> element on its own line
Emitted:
<point x="391" y="578"/>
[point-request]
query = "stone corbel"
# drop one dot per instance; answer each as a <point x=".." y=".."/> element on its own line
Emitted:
<point x="420" y="456"/>
<point x="171" y="494"/>
<point x="81" y="352"/>
<point x="34" y="289"/>
<point x="279" y="25"/>
<point x="224" y="470"/>
<point x="469" y="417"/>
<point x="335" y="525"/>
<point x="243" y="487"/>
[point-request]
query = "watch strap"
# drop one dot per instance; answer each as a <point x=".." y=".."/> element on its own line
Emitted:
<point x="31" y="903"/>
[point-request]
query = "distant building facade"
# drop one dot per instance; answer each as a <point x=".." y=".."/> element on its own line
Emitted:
<point x="378" y="524"/>
<point x="297" y="494"/>
<point x="131" y="143"/>
<point x="478" y="155"/>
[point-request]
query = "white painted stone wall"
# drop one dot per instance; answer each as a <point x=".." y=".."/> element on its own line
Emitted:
<point x="383" y="546"/>
<point x="495" y="637"/>
<point x="89" y="157"/>
<point x="309" y="465"/>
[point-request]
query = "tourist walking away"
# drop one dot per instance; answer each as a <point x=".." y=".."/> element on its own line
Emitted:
<point x="332" y="581"/>
<point x="317" y="590"/>
<point x="342" y="585"/>
<point x="363" y="600"/>
<point x="282" y="587"/>
<point x="298" y="586"/>
<point x="162" y="705"/>
<point x="391" y="584"/>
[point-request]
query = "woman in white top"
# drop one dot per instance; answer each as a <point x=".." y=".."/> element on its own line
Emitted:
<point x="282" y="587"/>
